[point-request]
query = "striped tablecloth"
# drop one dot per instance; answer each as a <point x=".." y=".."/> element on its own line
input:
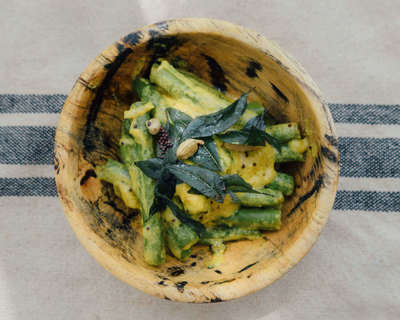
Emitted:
<point x="353" y="270"/>
<point x="369" y="144"/>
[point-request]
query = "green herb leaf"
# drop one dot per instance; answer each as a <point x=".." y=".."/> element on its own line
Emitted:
<point x="256" y="137"/>
<point x="178" y="117"/>
<point x="233" y="183"/>
<point x="166" y="182"/>
<point x="175" y="135"/>
<point x="256" y="131"/>
<point x="185" y="218"/>
<point x="236" y="183"/>
<point x="165" y="189"/>
<point x="234" y="198"/>
<point x="151" y="168"/>
<point x="234" y="137"/>
<point x="251" y="137"/>
<point x="193" y="191"/>
<point x="256" y="122"/>
<point x="273" y="142"/>
<point x="177" y="123"/>
<point x="207" y="155"/>
<point x="253" y="134"/>
<point x="208" y="125"/>
<point x="205" y="181"/>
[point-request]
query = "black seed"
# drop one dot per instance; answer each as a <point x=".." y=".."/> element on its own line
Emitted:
<point x="243" y="166"/>
<point x="246" y="154"/>
<point x="254" y="164"/>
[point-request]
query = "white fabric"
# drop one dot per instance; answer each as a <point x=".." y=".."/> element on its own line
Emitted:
<point x="350" y="48"/>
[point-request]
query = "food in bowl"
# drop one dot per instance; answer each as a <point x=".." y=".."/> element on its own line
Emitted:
<point x="199" y="166"/>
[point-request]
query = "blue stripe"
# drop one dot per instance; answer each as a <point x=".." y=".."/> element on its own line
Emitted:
<point x="365" y="113"/>
<point x="31" y="103"/>
<point x="345" y="200"/>
<point x="25" y="187"/>
<point x="346" y="113"/>
<point x="367" y="201"/>
<point x="360" y="157"/>
<point x="26" y="145"/>
<point x="369" y="157"/>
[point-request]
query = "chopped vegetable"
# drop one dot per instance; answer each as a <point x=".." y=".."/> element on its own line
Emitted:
<point x="199" y="166"/>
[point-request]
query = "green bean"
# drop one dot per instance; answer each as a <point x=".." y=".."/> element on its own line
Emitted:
<point x="268" y="197"/>
<point x="180" y="86"/>
<point x="218" y="248"/>
<point x="136" y="144"/>
<point x="183" y="87"/>
<point x="180" y="237"/>
<point x="154" y="247"/>
<point x="282" y="182"/>
<point x="115" y="173"/>
<point x="149" y="92"/>
<point x="284" y="132"/>
<point x="215" y="237"/>
<point x="227" y="234"/>
<point x="286" y="154"/>
<point x="254" y="219"/>
<point x="298" y="145"/>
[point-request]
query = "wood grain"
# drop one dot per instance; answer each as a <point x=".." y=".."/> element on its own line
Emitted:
<point x="232" y="59"/>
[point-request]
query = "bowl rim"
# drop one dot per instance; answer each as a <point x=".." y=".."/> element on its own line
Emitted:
<point x="101" y="250"/>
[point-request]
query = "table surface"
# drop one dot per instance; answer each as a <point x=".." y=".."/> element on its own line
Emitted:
<point x="350" y="48"/>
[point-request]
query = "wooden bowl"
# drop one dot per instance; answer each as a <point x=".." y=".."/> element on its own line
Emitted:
<point x="232" y="59"/>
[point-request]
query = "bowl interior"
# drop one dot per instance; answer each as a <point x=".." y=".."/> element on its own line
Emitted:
<point x="233" y="60"/>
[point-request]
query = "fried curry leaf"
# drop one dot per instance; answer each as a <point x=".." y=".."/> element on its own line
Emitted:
<point x="217" y="122"/>
<point x="183" y="216"/>
<point x="151" y="168"/>
<point x="206" y="156"/>
<point x="236" y="183"/>
<point x="203" y="180"/>
<point x="253" y="134"/>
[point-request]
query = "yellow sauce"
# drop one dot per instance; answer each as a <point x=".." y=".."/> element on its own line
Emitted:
<point x="194" y="203"/>
<point x="256" y="167"/>
<point x="204" y="209"/>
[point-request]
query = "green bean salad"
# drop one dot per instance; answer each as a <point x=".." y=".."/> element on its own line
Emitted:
<point x="199" y="166"/>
